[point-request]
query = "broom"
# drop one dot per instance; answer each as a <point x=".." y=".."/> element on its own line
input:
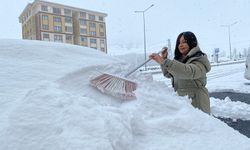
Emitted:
<point x="117" y="86"/>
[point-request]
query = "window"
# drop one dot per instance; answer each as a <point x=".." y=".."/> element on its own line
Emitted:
<point x="102" y="41"/>
<point x="68" y="29"/>
<point x="92" y="24"/>
<point x="45" y="27"/>
<point x="101" y="26"/>
<point x="45" y="36"/>
<point x="69" y="37"/>
<point x="44" y="8"/>
<point x="45" y="22"/>
<point x="93" y="41"/>
<point x="68" y="19"/>
<point x="83" y="39"/>
<point x="100" y="18"/>
<point x="83" y="31"/>
<point x="92" y="33"/>
<point x="57" y="19"/>
<point x="58" y="38"/>
<point x="91" y="17"/>
<point x="83" y="15"/>
<point x="45" y="17"/>
<point x="82" y="22"/>
<point x="67" y="12"/>
<point x="101" y="33"/>
<point x="57" y="28"/>
<point x="101" y="29"/>
<point x="57" y="11"/>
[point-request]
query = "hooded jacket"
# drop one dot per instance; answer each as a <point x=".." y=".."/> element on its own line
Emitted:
<point x="189" y="77"/>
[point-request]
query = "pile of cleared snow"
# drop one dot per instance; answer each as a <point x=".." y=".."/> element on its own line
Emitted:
<point x="230" y="109"/>
<point x="57" y="109"/>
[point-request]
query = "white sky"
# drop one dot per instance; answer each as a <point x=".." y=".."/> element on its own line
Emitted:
<point x="163" y="21"/>
<point x="47" y="103"/>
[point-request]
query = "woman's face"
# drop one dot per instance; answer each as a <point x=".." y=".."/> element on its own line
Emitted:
<point x="183" y="46"/>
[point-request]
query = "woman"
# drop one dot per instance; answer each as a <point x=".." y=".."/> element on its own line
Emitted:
<point x="187" y="70"/>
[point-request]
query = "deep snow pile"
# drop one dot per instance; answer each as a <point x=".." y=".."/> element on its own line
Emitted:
<point x="47" y="103"/>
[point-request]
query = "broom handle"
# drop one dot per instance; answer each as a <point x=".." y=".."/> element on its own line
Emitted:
<point x="129" y="73"/>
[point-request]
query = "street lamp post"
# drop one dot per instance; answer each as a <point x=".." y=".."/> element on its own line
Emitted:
<point x="229" y="36"/>
<point x="144" y="31"/>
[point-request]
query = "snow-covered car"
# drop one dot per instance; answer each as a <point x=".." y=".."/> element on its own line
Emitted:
<point x="247" y="69"/>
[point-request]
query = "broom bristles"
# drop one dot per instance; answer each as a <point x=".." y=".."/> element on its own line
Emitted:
<point x="115" y="86"/>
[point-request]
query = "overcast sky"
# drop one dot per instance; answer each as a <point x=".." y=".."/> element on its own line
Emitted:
<point x="165" y="20"/>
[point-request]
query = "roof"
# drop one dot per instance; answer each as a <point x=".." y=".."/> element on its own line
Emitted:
<point x="30" y="5"/>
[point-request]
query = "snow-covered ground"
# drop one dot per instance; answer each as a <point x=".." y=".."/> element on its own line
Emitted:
<point x="47" y="103"/>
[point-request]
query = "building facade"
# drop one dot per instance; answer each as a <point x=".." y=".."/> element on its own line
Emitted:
<point x="47" y="21"/>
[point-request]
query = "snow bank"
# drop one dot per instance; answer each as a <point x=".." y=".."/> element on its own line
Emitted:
<point x="48" y="104"/>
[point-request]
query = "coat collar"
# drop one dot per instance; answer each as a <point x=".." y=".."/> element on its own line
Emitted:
<point x="193" y="51"/>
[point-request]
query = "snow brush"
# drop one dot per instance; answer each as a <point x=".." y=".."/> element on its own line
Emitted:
<point x="117" y="86"/>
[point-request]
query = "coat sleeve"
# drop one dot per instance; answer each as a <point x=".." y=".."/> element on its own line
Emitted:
<point x="193" y="70"/>
<point x="165" y="72"/>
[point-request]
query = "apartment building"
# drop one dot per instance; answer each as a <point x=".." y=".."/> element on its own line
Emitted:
<point x="48" y="21"/>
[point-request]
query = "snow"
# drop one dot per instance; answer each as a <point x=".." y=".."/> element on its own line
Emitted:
<point x="229" y="78"/>
<point x="230" y="109"/>
<point x="47" y="103"/>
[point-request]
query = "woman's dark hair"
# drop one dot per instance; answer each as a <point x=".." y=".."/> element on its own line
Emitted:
<point x="191" y="41"/>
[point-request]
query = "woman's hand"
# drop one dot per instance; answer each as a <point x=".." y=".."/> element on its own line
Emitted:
<point x="160" y="58"/>
<point x="164" y="53"/>
<point x="156" y="57"/>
